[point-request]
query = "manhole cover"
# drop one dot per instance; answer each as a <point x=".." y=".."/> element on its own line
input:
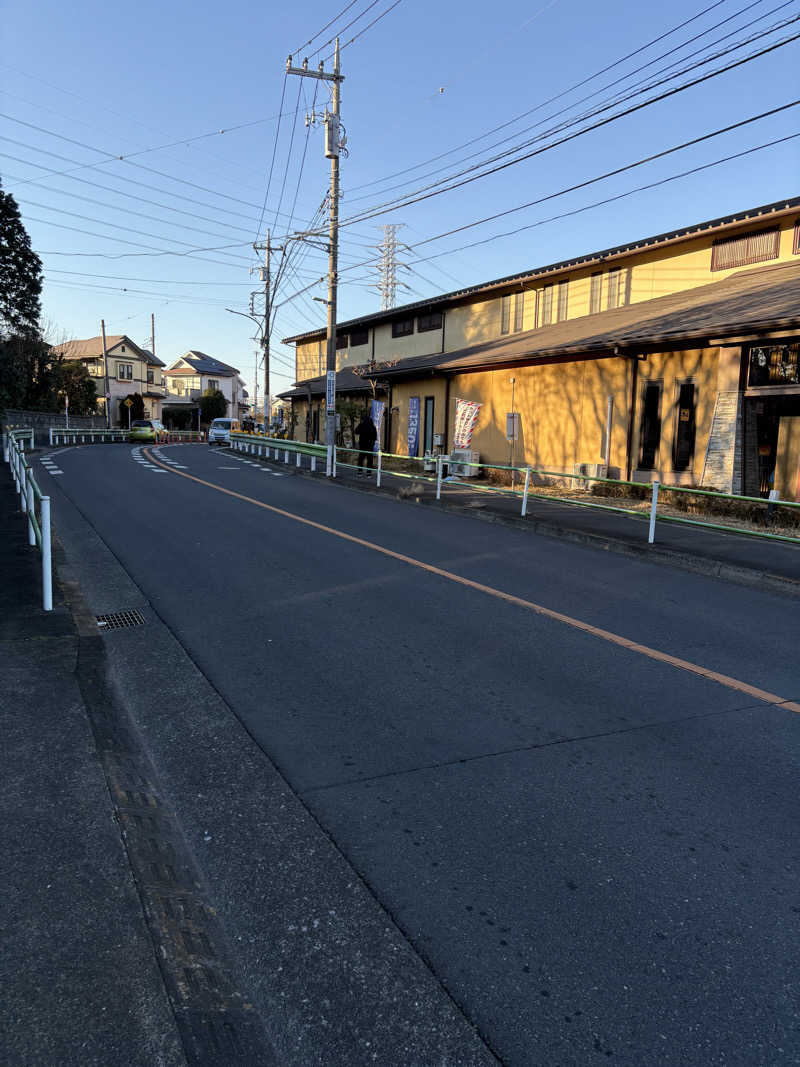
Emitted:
<point x="119" y="620"/>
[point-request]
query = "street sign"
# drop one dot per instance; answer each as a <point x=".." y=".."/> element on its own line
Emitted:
<point x="129" y="403"/>
<point x="330" y="393"/>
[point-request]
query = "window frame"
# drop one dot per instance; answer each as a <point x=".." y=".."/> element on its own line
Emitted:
<point x="356" y="334"/>
<point x="519" y="311"/>
<point x="562" y="301"/>
<point x="692" y="421"/>
<point x="505" y="313"/>
<point x="398" y="328"/>
<point x="595" y="292"/>
<point x="751" y="252"/>
<point x="213" y="383"/>
<point x="657" y="383"/>
<point x="547" y="304"/>
<point x="124" y="377"/>
<point x="342" y="341"/>
<point x="424" y="325"/>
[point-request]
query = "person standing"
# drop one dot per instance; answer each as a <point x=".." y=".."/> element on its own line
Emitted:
<point x="367" y="435"/>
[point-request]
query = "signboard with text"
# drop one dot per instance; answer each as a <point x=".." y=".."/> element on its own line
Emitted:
<point x="413" y="425"/>
<point x="330" y="391"/>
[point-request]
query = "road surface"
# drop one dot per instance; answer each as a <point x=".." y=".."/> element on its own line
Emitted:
<point x="569" y="778"/>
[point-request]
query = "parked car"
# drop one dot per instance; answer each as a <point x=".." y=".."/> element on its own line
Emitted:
<point x="147" y="430"/>
<point x="219" y="433"/>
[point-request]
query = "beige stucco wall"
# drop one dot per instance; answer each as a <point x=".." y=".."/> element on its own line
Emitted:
<point x="787" y="468"/>
<point x="563" y="408"/>
<point x="700" y="366"/>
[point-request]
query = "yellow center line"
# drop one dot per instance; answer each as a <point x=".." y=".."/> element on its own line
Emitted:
<point x="538" y="609"/>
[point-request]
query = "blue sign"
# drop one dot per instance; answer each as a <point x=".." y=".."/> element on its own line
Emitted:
<point x="376" y="414"/>
<point x="413" y="425"/>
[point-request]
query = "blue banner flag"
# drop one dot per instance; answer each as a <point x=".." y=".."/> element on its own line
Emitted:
<point x="413" y="425"/>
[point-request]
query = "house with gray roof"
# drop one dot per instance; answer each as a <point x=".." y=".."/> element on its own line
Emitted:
<point x="196" y="372"/>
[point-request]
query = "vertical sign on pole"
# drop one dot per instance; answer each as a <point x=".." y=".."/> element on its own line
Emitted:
<point x="413" y="425"/>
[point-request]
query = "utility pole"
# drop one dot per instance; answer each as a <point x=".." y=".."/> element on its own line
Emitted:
<point x="267" y="248"/>
<point x="333" y="144"/>
<point x="105" y="372"/>
<point x="152" y="333"/>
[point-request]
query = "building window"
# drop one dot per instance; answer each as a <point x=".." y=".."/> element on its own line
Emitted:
<point x="519" y="310"/>
<point x="125" y="372"/>
<point x="358" y="338"/>
<point x="341" y="341"/>
<point x="619" y="287"/>
<point x="595" y="292"/>
<point x="427" y="425"/>
<point x="683" y="448"/>
<point x="563" y="297"/>
<point x="744" y="249"/>
<point x="796" y="242"/>
<point x="505" y="314"/>
<point x="547" y="305"/>
<point x="774" y="365"/>
<point x="150" y="377"/>
<point x="122" y="348"/>
<point x="433" y="321"/>
<point x="402" y="327"/>
<point x="213" y="384"/>
<point x="650" y="431"/>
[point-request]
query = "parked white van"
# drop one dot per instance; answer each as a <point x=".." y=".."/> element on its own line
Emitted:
<point x="219" y="432"/>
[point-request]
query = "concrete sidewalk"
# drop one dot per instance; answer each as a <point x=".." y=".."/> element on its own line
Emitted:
<point x="80" y="982"/>
<point x="734" y="557"/>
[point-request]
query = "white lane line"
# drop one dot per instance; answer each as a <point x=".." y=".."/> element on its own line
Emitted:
<point x="226" y="468"/>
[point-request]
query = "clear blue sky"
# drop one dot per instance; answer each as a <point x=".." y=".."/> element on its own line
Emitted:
<point x="120" y="79"/>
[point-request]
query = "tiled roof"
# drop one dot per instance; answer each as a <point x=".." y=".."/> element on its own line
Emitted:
<point x="92" y="348"/>
<point x="346" y="382"/>
<point x="756" y="214"/>
<point x="767" y="298"/>
<point x="204" y="364"/>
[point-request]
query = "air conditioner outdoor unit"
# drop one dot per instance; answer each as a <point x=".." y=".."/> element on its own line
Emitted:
<point x="590" y="470"/>
<point x="460" y="463"/>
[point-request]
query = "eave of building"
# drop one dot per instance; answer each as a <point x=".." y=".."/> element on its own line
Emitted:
<point x="665" y="323"/>
<point x="776" y="210"/>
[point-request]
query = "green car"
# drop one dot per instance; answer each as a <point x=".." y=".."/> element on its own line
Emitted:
<point x="147" y="430"/>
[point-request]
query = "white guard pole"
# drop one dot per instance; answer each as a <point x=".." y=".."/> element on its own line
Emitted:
<point x="438" y="477"/>
<point x="31" y="506"/>
<point x="378" y="481"/>
<point x="23" y="488"/>
<point x="653" y="505"/>
<point x="525" y="491"/>
<point x="47" y="573"/>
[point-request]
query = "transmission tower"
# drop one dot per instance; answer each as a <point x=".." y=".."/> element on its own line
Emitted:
<point x="387" y="267"/>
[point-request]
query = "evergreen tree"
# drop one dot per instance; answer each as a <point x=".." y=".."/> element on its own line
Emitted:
<point x="21" y="350"/>
<point x="20" y="275"/>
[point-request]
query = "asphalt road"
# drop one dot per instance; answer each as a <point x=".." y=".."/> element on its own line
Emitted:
<point x="595" y="852"/>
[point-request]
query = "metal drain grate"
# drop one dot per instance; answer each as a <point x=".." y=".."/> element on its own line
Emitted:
<point x="119" y="620"/>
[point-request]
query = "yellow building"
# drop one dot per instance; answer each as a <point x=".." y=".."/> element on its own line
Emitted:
<point x="673" y="357"/>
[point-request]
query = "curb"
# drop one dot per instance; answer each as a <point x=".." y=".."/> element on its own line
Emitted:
<point x="686" y="561"/>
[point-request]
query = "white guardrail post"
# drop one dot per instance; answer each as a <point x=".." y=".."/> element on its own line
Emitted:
<point x="380" y="466"/>
<point x="439" y="477"/>
<point x="653" y="506"/>
<point x="23" y="488"/>
<point x="525" y="491"/>
<point x="47" y="570"/>
<point x="31" y="514"/>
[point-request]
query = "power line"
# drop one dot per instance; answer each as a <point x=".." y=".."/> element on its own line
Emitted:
<point x="324" y="28"/>
<point x="550" y="100"/>
<point x="619" y="97"/>
<point x="438" y="188"/>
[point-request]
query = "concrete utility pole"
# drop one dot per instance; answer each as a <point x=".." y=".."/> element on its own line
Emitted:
<point x="267" y="248"/>
<point x="333" y="144"/>
<point x="152" y="333"/>
<point x="105" y="372"/>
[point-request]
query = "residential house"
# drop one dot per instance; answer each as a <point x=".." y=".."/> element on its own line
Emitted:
<point x="195" y="373"/>
<point x="130" y="368"/>
<point x="672" y="357"/>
